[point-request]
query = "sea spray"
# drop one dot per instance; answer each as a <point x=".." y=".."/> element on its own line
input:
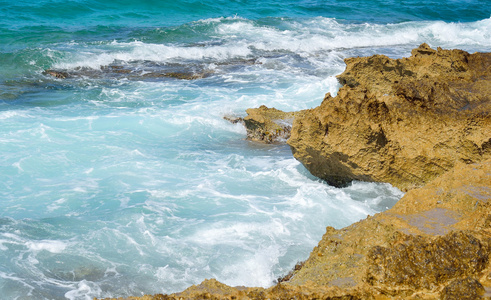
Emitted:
<point x="115" y="185"/>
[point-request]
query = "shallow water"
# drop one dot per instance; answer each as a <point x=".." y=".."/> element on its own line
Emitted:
<point x="118" y="185"/>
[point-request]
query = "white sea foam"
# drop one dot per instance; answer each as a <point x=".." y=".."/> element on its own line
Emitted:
<point x="53" y="246"/>
<point x="2" y="246"/>
<point x="256" y="270"/>
<point x="17" y="281"/>
<point x="139" y="51"/>
<point x="322" y="34"/>
<point x="235" y="233"/>
<point x="56" y="204"/>
<point x="13" y="113"/>
<point x="84" y="290"/>
<point x="309" y="38"/>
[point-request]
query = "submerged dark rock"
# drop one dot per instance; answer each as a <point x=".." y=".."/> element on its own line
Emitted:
<point x="57" y="74"/>
<point x="149" y="70"/>
<point x="131" y="73"/>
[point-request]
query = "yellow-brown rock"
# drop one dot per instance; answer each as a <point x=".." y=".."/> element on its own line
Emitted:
<point x="402" y="121"/>
<point x="268" y="125"/>
<point x="433" y="236"/>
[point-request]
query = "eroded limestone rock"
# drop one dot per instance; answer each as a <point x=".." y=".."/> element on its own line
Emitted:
<point x="422" y="263"/>
<point x="463" y="289"/>
<point x="268" y="125"/>
<point x="265" y="125"/>
<point x="388" y="252"/>
<point x="403" y="121"/>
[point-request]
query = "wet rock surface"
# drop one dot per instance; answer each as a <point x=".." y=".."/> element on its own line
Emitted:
<point x="124" y="71"/>
<point x="268" y="125"/>
<point x="148" y="70"/>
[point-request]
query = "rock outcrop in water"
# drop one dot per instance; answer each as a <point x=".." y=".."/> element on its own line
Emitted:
<point x="402" y="121"/>
<point x="129" y="72"/>
<point x="267" y="125"/>
<point x="423" y="120"/>
<point x="148" y="70"/>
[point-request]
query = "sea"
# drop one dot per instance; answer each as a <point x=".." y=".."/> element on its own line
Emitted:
<point x="120" y="177"/>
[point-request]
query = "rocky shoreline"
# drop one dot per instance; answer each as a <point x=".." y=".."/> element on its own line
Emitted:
<point x="402" y="121"/>
<point x="421" y="123"/>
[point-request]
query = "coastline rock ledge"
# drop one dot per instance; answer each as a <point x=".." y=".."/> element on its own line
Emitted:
<point x="422" y="124"/>
<point x="402" y="121"/>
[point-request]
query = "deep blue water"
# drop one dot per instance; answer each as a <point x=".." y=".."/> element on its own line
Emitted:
<point x="119" y="185"/>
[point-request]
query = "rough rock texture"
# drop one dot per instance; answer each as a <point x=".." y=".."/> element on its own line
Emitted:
<point x="403" y="121"/>
<point x="463" y="289"/>
<point x="431" y="237"/>
<point x="268" y="125"/>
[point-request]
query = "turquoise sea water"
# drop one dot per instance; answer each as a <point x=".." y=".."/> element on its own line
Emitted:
<point x="115" y="185"/>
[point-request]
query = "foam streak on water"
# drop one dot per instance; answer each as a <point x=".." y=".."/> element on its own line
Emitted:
<point x="114" y="185"/>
